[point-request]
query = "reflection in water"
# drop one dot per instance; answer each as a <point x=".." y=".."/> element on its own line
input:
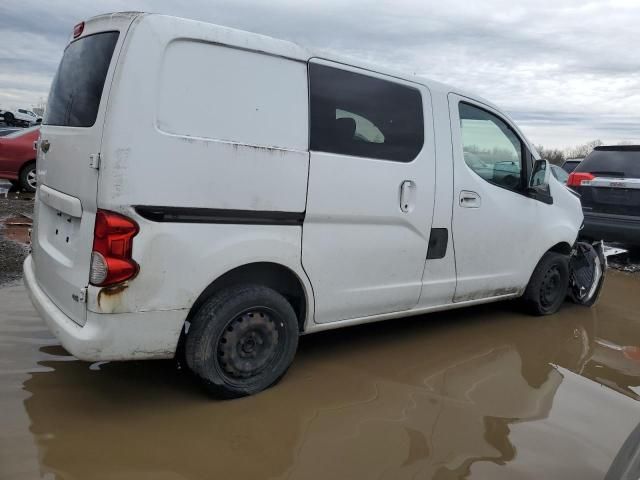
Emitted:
<point x="483" y="392"/>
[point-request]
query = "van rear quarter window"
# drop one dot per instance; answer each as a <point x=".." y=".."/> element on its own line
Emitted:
<point x="364" y="116"/>
<point x="77" y="87"/>
<point x="228" y="94"/>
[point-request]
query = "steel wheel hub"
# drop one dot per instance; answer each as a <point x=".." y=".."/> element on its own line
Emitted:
<point x="248" y="344"/>
<point x="31" y="178"/>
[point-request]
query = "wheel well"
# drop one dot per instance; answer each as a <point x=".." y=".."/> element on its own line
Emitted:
<point x="26" y="164"/>
<point x="272" y="275"/>
<point x="562" y="247"/>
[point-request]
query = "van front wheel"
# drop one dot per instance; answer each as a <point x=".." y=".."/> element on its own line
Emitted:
<point x="242" y="340"/>
<point x="548" y="285"/>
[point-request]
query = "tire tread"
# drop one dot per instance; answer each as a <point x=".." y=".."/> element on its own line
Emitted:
<point x="531" y="296"/>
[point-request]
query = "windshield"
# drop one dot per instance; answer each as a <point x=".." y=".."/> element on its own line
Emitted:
<point x="77" y="87"/>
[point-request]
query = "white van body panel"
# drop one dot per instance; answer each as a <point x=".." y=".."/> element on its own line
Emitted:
<point x="182" y="260"/>
<point x="244" y="153"/>
<point x="363" y="253"/>
<point x="64" y="219"/>
<point x="499" y="243"/>
<point x="133" y="336"/>
<point x="184" y="146"/>
<point x="439" y="277"/>
<point x="198" y="116"/>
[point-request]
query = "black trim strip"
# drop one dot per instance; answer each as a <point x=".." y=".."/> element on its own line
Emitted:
<point x="437" y="243"/>
<point x="218" y="215"/>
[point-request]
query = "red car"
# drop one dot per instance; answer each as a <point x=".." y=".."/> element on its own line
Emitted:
<point x="18" y="158"/>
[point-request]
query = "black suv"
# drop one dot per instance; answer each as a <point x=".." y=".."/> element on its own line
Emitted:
<point x="608" y="180"/>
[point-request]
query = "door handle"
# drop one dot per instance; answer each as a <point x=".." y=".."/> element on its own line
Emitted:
<point x="469" y="199"/>
<point x="407" y="193"/>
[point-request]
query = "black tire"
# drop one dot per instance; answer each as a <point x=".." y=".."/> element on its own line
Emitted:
<point x="242" y="340"/>
<point x="25" y="177"/>
<point x="8" y="119"/>
<point x="548" y="285"/>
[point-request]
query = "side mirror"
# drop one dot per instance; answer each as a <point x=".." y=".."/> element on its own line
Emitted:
<point x="540" y="175"/>
<point x="539" y="182"/>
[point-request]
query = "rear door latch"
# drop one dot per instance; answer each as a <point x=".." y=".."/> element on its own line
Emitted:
<point x="94" y="160"/>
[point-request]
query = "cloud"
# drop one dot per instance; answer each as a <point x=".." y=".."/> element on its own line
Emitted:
<point x="567" y="71"/>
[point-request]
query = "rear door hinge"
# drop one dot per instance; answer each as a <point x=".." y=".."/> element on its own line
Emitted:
<point x="81" y="296"/>
<point x="94" y="160"/>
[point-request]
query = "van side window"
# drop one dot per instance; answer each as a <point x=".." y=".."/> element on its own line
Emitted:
<point x="354" y="114"/>
<point x="490" y="147"/>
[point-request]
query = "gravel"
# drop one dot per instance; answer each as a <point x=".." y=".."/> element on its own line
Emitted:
<point x="12" y="254"/>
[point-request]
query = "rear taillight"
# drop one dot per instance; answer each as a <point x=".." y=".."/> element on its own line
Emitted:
<point x="111" y="260"/>
<point x="576" y="178"/>
<point x="78" y="29"/>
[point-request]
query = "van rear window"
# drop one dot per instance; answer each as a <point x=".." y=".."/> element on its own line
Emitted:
<point x="77" y="87"/>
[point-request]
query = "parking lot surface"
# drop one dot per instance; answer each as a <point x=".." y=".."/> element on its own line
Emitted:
<point x="483" y="392"/>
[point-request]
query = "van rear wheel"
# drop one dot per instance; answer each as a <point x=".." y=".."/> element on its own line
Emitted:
<point x="242" y="340"/>
<point x="548" y="285"/>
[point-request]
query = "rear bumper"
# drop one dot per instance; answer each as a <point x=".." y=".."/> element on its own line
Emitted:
<point x="122" y="336"/>
<point x="612" y="228"/>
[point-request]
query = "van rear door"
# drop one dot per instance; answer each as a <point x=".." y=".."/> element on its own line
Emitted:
<point x="68" y="160"/>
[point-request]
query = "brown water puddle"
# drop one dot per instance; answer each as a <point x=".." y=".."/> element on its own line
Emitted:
<point x="477" y="393"/>
<point x="17" y="229"/>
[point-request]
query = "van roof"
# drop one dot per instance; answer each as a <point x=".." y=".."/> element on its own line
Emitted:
<point x="285" y="48"/>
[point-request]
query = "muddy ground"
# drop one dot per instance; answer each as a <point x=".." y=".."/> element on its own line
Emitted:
<point x="483" y="393"/>
<point x="14" y="234"/>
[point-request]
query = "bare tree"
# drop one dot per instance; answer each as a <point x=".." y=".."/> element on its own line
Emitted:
<point x="582" y="151"/>
<point x="554" y="155"/>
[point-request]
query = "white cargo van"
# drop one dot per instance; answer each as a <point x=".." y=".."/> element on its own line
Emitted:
<point x="216" y="192"/>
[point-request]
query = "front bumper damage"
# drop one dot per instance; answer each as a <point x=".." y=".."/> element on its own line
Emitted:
<point x="587" y="269"/>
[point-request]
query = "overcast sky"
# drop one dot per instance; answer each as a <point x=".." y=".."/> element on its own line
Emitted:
<point x="567" y="71"/>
